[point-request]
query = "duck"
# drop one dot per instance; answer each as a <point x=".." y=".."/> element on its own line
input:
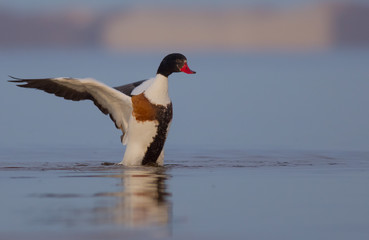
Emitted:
<point x="142" y="110"/>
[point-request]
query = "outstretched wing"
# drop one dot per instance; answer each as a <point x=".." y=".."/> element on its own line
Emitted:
<point x="108" y="100"/>
<point x="128" y="88"/>
<point x="135" y="88"/>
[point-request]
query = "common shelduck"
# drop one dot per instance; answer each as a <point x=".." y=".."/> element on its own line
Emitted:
<point x="141" y="110"/>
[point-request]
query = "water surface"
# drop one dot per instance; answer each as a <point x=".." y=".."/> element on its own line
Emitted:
<point x="201" y="193"/>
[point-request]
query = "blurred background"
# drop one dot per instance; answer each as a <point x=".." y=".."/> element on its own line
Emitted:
<point x="271" y="74"/>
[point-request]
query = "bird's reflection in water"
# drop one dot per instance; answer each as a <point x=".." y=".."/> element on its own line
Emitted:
<point x="143" y="201"/>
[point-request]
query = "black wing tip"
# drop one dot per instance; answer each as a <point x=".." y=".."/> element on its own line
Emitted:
<point x="15" y="79"/>
<point x="21" y="82"/>
<point x="18" y="80"/>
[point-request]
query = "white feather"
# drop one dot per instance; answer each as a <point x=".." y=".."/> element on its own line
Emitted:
<point x="157" y="92"/>
<point x="140" y="136"/>
<point x="118" y="104"/>
<point x="142" y="87"/>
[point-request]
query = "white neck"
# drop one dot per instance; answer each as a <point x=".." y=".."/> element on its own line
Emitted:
<point x="157" y="93"/>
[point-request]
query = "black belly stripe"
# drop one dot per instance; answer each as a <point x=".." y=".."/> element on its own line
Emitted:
<point x="164" y="116"/>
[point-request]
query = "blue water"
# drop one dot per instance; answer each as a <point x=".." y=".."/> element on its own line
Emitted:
<point x="201" y="193"/>
<point x="227" y="173"/>
<point x="300" y="100"/>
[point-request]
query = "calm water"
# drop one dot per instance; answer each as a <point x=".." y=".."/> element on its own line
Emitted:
<point x="260" y="101"/>
<point x="282" y="100"/>
<point x="201" y="193"/>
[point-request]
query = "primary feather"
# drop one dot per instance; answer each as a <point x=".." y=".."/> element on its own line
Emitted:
<point x="109" y="100"/>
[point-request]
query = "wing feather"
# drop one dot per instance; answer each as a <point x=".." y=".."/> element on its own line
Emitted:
<point x="136" y="87"/>
<point x="108" y="100"/>
<point x="128" y="88"/>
